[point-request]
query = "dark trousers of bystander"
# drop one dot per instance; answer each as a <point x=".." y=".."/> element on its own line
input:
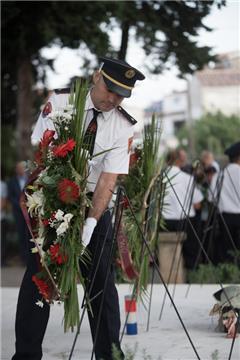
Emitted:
<point x="31" y="320"/>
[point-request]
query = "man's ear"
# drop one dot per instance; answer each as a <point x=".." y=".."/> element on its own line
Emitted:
<point x="96" y="76"/>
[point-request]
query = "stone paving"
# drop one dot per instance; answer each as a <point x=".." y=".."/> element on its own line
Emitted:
<point x="165" y="339"/>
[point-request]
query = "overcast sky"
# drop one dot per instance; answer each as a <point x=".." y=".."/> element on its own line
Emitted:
<point x="224" y="38"/>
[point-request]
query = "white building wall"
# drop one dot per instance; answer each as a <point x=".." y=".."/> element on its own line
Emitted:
<point x="224" y="99"/>
<point x="174" y="110"/>
<point x="195" y="96"/>
<point x="174" y="103"/>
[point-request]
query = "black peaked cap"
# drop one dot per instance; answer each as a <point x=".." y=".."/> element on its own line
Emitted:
<point x="119" y="76"/>
<point x="233" y="150"/>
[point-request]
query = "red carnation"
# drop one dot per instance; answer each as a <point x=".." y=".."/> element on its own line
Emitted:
<point x="68" y="191"/>
<point x="48" y="136"/>
<point x="56" y="256"/>
<point x="42" y="286"/>
<point x="63" y="149"/>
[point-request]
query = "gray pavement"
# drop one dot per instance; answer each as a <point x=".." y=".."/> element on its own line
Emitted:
<point x="165" y="339"/>
<point x="11" y="276"/>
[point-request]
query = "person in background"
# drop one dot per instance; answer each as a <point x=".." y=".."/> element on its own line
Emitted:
<point x="3" y="190"/>
<point x="227" y="192"/>
<point x="180" y="187"/>
<point x="183" y="158"/>
<point x="204" y="172"/>
<point x="15" y="186"/>
<point x="208" y="162"/>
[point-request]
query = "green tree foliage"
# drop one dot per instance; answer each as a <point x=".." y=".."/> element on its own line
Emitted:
<point x="166" y="30"/>
<point x="28" y="26"/>
<point x="214" y="132"/>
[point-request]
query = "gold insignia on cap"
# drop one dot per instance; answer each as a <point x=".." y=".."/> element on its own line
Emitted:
<point x="129" y="74"/>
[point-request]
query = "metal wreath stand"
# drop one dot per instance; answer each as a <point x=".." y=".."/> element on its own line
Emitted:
<point x="116" y="216"/>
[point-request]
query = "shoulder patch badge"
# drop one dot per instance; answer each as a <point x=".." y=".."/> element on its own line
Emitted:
<point x="127" y="115"/>
<point x="47" y="109"/>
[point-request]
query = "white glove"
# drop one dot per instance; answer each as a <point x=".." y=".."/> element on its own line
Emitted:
<point x="88" y="228"/>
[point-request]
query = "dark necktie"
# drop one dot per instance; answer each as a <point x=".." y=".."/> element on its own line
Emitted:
<point x="90" y="134"/>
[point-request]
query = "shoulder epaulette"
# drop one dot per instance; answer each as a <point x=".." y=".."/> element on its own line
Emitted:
<point x="126" y="115"/>
<point x="62" y="91"/>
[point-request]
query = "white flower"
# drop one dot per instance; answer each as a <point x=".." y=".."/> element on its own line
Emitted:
<point x="39" y="242"/>
<point x="56" y="115"/>
<point x="59" y="215"/>
<point x="67" y="117"/>
<point x="62" y="228"/>
<point x="34" y="250"/>
<point x="52" y="224"/>
<point x="35" y="202"/>
<point x="67" y="218"/>
<point x="50" y="155"/>
<point x="39" y="303"/>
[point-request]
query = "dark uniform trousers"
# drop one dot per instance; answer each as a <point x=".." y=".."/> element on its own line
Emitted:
<point x="31" y="320"/>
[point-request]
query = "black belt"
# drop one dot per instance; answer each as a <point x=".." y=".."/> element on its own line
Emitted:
<point x="90" y="195"/>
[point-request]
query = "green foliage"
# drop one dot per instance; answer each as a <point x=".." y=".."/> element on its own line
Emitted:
<point x="209" y="274"/>
<point x="214" y="132"/>
<point x="28" y="26"/>
<point x="143" y="187"/>
<point x="215" y="355"/>
<point x="167" y="31"/>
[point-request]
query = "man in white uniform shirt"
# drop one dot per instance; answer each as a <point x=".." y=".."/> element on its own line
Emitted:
<point x="228" y="196"/>
<point x="111" y="84"/>
<point x="181" y="203"/>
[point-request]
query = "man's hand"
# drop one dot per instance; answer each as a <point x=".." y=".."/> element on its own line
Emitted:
<point x="88" y="229"/>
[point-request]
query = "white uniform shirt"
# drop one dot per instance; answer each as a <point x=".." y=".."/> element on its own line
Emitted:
<point x="114" y="133"/>
<point x="183" y="184"/>
<point x="229" y="199"/>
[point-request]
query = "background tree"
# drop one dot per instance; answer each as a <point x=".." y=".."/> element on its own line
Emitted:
<point x="214" y="132"/>
<point x="26" y="28"/>
<point x="165" y="29"/>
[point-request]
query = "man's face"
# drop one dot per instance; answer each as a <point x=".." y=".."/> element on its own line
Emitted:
<point x="182" y="157"/>
<point x="207" y="159"/>
<point x="102" y="98"/>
